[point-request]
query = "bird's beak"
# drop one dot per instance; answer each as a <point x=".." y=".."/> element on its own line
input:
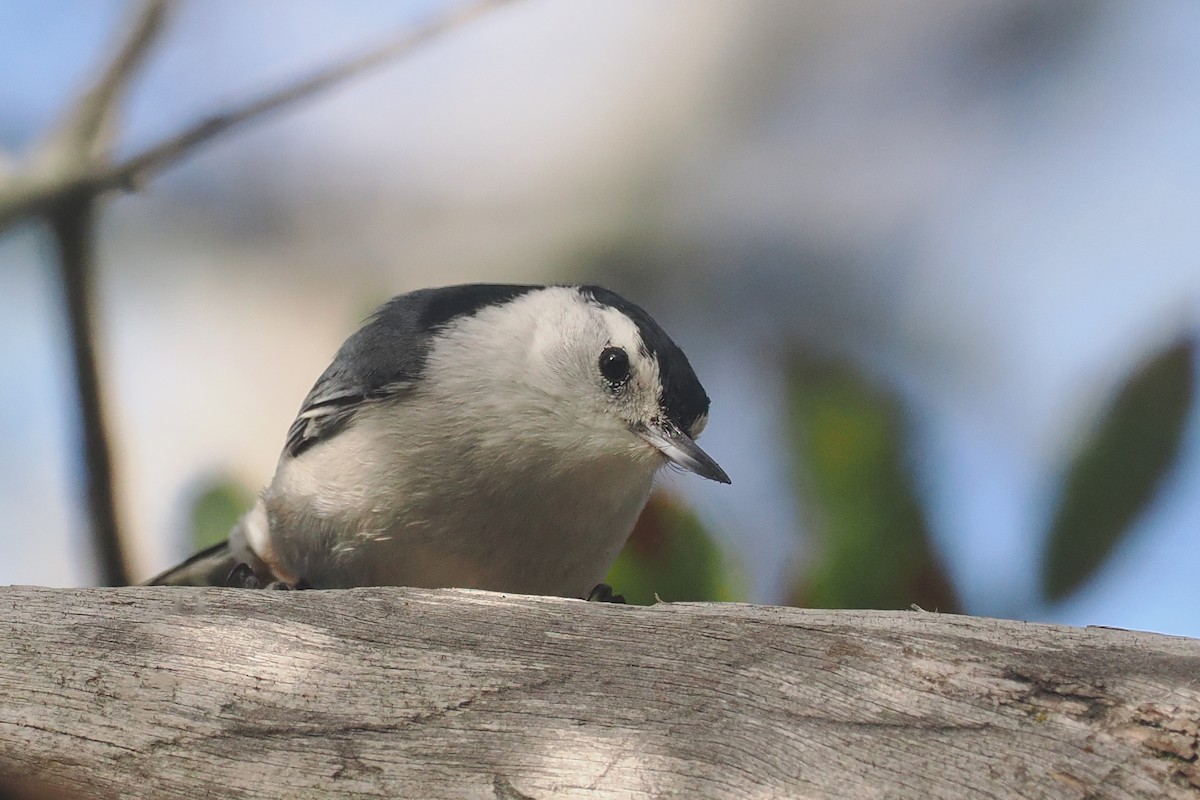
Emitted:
<point x="681" y="449"/>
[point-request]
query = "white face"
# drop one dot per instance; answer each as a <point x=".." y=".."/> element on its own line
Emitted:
<point x="612" y="369"/>
<point x="562" y="372"/>
<point x="591" y="360"/>
<point x="543" y="352"/>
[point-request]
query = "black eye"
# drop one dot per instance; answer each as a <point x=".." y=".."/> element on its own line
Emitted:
<point x="614" y="366"/>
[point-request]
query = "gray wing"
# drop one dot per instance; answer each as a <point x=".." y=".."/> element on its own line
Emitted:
<point x="383" y="360"/>
<point x="330" y="407"/>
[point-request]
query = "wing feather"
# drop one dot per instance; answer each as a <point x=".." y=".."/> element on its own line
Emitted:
<point x="383" y="360"/>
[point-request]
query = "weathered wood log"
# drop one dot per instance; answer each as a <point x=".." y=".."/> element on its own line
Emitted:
<point x="189" y="693"/>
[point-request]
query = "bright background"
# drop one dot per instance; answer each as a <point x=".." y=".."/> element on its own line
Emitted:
<point x="989" y="209"/>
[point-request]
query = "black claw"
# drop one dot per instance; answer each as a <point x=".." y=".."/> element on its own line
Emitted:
<point x="242" y="577"/>
<point x="603" y="593"/>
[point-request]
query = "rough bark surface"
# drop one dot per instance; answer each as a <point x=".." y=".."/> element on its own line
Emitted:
<point x="189" y="693"/>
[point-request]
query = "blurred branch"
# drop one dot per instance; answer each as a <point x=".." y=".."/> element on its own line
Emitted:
<point x="88" y="127"/>
<point x="135" y="170"/>
<point x="72" y="224"/>
<point x="39" y="189"/>
<point x="72" y="169"/>
<point x="83" y="136"/>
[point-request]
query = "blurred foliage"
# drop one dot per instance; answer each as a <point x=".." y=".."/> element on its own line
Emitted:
<point x="1120" y="467"/>
<point x="669" y="554"/>
<point x="218" y="503"/>
<point x="871" y="544"/>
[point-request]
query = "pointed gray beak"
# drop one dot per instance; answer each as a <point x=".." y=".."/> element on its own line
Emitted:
<point x="681" y="449"/>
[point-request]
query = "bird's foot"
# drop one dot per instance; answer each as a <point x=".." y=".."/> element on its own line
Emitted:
<point x="603" y="593"/>
<point x="243" y="577"/>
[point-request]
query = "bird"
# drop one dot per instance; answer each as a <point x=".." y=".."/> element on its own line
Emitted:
<point x="502" y="437"/>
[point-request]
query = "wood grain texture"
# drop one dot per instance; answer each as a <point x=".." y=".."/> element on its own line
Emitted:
<point x="190" y="693"/>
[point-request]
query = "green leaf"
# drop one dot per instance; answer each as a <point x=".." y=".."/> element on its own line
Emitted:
<point x="669" y="554"/>
<point x="218" y="504"/>
<point x="871" y="542"/>
<point x="1119" y="469"/>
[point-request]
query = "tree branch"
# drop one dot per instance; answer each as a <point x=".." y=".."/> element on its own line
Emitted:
<point x="73" y="226"/>
<point x="81" y="140"/>
<point x="35" y="190"/>
<point x="87" y="130"/>
<point x="152" y="160"/>
<point x="181" y="693"/>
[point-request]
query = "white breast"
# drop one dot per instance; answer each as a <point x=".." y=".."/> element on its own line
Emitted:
<point x="488" y="517"/>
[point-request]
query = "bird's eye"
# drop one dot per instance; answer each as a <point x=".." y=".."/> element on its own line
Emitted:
<point x="614" y="366"/>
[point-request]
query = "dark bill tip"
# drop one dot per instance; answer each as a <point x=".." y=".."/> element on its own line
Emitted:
<point x="681" y="450"/>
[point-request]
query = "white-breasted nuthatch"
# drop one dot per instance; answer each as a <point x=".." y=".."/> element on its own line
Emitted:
<point x="483" y="436"/>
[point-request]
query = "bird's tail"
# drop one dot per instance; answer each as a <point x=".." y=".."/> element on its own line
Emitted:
<point x="210" y="567"/>
<point x="215" y="566"/>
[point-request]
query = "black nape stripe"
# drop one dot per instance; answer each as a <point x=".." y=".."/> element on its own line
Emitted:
<point x="683" y="399"/>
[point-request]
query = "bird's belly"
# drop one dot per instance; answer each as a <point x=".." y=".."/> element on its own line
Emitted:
<point x="559" y="542"/>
